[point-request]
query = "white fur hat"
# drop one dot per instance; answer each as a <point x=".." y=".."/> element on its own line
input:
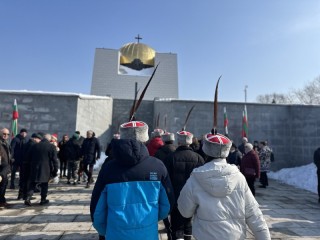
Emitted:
<point x="157" y="133"/>
<point x="216" y="145"/>
<point x="134" y="130"/>
<point x="184" y="137"/>
<point x="166" y="137"/>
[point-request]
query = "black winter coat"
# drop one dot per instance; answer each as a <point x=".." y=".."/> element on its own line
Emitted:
<point x="62" y="153"/>
<point x="180" y="164"/>
<point x="44" y="161"/>
<point x="90" y="150"/>
<point x="234" y="158"/>
<point x="164" y="151"/>
<point x="72" y="150"/>
<point x="17" y="145"/>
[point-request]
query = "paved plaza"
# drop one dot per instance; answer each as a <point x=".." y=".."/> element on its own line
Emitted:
<point x="291" y="213"/>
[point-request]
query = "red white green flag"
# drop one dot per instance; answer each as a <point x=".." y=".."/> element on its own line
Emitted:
<point x="15" y="116"/>
<point x="245" y="122"/>
<point x="225" y="122"/>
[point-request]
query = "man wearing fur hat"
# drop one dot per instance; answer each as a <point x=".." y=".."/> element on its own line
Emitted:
<point x="133" y="191"/>
<point x="218" y="198"/>
<point x="167" y="148"/>
<point x="180" y="165"/>
<point x="156" y="142"/>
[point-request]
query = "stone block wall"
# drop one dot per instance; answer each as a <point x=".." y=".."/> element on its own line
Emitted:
<point x="40" y="112"/>
<point x="292" y="131"/>
<point x="60" y="113"/>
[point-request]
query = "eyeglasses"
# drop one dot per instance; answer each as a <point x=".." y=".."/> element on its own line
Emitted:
<point x="5" y="134"/>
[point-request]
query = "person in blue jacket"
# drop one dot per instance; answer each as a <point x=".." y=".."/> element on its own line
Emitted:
<point x="133" y="191"/>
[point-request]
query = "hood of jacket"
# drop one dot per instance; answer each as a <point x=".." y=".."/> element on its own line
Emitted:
<point x="129" y="152"/>
<point x="217" y="177"/>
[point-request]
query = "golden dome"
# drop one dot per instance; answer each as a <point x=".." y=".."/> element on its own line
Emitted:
<point x="137" y="51"/>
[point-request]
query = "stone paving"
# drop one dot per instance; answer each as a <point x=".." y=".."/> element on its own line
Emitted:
<point x="291" y="214"/>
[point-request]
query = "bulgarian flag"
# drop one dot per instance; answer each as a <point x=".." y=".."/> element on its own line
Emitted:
<point x="15" y="116"/>
<point x="245" y="122"/>
<point x="225" y="122"/>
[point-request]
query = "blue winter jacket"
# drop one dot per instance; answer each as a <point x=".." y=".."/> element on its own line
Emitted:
<point x="132" y="193"/>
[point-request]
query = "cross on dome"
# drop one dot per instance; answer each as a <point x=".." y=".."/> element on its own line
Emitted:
<point x="138" y="38"/>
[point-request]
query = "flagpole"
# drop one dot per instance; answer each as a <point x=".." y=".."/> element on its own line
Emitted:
<point x="225" y="121"/>
<point x="15" y="116"/>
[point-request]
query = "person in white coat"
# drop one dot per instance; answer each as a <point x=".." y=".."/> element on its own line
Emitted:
<point x="219" y="199"/>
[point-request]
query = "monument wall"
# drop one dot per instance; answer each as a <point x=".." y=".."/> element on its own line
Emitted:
<point x="292" y="131"/>
<point x="60" y="113"/>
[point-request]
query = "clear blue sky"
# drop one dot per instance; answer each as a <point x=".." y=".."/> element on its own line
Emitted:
<point x="270" y="45"/>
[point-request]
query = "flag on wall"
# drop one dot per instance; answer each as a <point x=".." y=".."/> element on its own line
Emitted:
<point x="225" y="122"/>
<point x="245" y="122"/>
<point x="15" y="116"/>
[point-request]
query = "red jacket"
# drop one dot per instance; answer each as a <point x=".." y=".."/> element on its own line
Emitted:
<point x="250" y="164"/>
<point x="154" y="145"/>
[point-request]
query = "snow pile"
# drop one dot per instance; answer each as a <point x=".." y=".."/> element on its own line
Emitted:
<point x="304" y="177"/>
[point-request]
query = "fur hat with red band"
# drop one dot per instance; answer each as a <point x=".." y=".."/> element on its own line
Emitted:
<point x="134" y="130"/>
<point x="184" y="137"/>
<point x="167" y="136"/>
<point x="216" y="145"/>
<point x="157" y="133"/>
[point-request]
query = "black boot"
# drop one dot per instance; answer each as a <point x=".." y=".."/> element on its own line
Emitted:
<point x="44" y="201"/>
<point x="27" y="202"/>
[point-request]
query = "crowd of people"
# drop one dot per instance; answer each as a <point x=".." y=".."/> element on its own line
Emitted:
<point x="40" y="158"/>
<point x="201" y="189"/>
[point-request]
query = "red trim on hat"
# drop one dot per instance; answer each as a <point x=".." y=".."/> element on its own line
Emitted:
<point x="217" y="138"/>
<point x="185" y="133"/>
<point x="133" y="124"/>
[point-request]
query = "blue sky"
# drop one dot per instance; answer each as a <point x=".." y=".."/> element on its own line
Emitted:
<point x="270" y="46"/>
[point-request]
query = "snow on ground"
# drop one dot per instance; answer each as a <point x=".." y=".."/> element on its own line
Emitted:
<point x="99" y="162"/>
<point x="304" y="177"/>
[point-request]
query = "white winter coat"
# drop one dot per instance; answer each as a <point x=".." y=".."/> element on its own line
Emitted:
<point x="218" y="197"/>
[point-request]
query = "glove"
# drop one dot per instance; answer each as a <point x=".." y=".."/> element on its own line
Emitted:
<point x="0" y="179"/>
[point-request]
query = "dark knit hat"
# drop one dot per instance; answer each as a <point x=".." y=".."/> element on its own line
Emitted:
<point x="216" y="145"/>
<point x="167" y="136"/>
<point x="23" y="130"/>
<point x="184" y="137"/>
<point x="134" y="130"/>
<point x="36" y="135"/>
